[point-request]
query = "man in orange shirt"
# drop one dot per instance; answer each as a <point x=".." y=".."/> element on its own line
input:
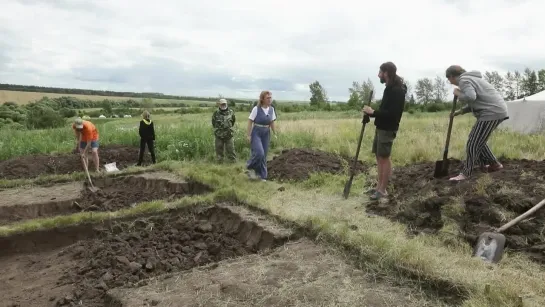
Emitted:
<point x="86" y="135"/>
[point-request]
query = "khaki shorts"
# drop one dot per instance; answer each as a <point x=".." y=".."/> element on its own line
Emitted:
<point x="382" y="143"/>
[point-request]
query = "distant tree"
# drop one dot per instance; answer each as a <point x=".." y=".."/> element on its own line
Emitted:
<point x="359" y="93"/>
<point x="440" y="89"/>
<point x="541" y="80"/>
<point x="409" y="93"/>
<point x="318" y="95"/>
<point x="530" y="83"/>
<point x="412" y="101"/>
<point x="496" y="80"/>
<point x="424" y="90"/>
<point x="509" y="89"/>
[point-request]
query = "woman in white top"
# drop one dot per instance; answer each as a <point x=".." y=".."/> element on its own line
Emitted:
<point x="260" y="122"/>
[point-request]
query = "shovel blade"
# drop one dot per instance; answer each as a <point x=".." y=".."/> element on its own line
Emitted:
<point x="347" y="187"/>
<point x="93" y="189"/>
<point x="489" y="247"/>
<point x="441" y="168"/>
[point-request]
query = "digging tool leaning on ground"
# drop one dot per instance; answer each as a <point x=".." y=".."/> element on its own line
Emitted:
<point x="387" y="119"/>
<point x="86" y="136"/>
<point x="488" y="106"/>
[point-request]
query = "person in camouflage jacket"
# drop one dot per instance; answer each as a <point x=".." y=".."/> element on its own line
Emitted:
<point x="223" y="121"/>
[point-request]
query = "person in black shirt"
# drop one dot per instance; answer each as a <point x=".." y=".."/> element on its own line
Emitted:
<point x="387" y="119"/>
<point x="147" y="136"/>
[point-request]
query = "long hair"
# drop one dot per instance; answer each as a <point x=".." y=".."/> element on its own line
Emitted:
<point x="262" y="97"/>
<point x="391" y="69"/>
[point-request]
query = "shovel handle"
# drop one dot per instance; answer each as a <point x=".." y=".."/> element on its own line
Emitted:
<point x="451" y="119"/>
<point x="522" y="216"/>
<point x="364" y="121"/>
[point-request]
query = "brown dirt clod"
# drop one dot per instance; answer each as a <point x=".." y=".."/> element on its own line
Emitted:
<point x="297" y="164"/>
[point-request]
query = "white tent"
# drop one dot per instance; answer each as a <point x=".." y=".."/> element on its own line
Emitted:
<point x="527" y="115"/>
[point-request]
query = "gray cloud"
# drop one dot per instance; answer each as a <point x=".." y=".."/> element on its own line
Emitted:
<point x="510" y="64"/>
<point x="238" y="48"/>
<point x="165" y="75"/>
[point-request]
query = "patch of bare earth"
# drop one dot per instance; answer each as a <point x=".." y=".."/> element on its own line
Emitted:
<point x="300" y="273"/>
<point x="114" y="193"/>
<point x="483" y="203"/>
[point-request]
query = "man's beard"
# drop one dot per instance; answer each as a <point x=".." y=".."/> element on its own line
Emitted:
<point x="382" y="80"/>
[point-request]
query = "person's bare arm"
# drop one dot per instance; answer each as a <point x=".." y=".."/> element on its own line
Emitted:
<point x="250" y="124"/>
<point x="273" y="127"/>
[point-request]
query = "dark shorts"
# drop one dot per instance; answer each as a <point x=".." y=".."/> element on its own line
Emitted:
<point x="382" y="143"/>
<point x="94" y="144"/>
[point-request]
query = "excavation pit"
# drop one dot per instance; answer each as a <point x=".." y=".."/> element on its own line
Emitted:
<point x="114" y="193"/>
<point x="77" y="266"/>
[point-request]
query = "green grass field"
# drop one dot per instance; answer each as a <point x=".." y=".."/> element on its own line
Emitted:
<point x="421" y="136"/>
<point x="22" y="98"/>
<point x="378" y="244"/>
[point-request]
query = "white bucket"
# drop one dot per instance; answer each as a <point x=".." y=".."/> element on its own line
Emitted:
<point x="111" y="167"/>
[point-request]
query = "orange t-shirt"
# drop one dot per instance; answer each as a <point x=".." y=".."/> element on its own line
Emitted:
<point x="89" y="131"/>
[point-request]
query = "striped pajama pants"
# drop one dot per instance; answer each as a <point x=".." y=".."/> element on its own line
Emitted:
<point x="477" y="151"/>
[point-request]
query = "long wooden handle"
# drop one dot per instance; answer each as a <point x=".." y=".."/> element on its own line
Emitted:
<point x="445" y="153"/>
<point x="364" y="121"/>
<point x="522" y="216"/>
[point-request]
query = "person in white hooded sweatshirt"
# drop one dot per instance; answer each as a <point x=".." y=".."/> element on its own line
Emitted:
<point x="488" y="106"/>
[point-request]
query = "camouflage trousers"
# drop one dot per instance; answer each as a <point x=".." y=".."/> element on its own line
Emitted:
<point x="227" y="145"/>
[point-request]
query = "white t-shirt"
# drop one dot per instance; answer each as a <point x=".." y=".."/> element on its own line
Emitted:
<point x="253" y="114"/>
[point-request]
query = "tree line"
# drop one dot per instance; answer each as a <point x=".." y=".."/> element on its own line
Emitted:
<point x="512" y="85"/>
<point x="433" y="94"/>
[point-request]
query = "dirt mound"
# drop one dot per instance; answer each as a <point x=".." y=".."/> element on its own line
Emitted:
<point x="297" y="164"/>
<point x="484" y="202"/>
<point x="36" y="165"/>
<point x="132" y="252"/>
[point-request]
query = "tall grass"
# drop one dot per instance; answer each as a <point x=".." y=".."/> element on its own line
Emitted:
<point x="421" y="137"/>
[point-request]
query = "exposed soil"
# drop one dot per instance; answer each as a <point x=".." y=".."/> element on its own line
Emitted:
<point x="113" y="194"/>
<point x="299" y="273"/>
<point x="123" y="254"/>
<point x="36" y="165"/>
<point x="299" y="163"/>
<point x="484" y="202"/>
<point x="124" y="192"/>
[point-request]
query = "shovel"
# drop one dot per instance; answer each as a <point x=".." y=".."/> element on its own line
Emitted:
<point x="92" y="188"/>
<point x="490" y="245"/>
<point x="442" y="166"/>
<point x="364" y="121"/>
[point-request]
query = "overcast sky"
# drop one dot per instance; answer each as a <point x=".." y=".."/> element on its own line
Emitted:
<point x="239" y="47"/>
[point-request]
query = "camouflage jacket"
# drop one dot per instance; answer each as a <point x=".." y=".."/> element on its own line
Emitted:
<point x="223" y="122"/>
